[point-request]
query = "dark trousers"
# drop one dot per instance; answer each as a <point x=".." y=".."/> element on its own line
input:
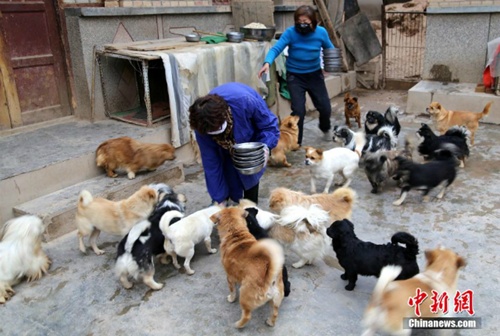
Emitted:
<point x="252" y="194"/>
<point x="314" y="84"/>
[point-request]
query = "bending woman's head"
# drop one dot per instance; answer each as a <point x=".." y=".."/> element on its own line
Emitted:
<point x="208" y="113"/>
<point x="308" y="12"/>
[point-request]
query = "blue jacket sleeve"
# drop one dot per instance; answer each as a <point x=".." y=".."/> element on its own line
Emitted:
<point x="327" y="43"/>
<point x="212" y="159"/>
<point x="278" y="48"/>
<point x="265" y="122"/>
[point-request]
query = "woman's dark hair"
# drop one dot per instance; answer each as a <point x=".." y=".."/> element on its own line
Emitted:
<point x="308" y="11"/>
<point x="208" y="113"/>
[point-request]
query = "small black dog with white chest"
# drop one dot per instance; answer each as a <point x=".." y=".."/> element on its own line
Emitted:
<point x="358" y="257"/>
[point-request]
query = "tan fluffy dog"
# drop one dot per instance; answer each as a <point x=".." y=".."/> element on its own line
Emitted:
<point x="444" y="119"/>
<point x="132" y="156"/>
<point x="99" y="214"/>
<point x="338" y="204"/>
<point x="351" y="110"/>
<point x="254" y="265"/>
<point x="289" y="136"/>
<point x="389" y="302"/>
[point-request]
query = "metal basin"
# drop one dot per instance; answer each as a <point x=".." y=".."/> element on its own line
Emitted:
<point x="248" y="147"/>
<point x="235" y="37"/>
<point x="259" y="34"/>
<point x="192" y="37"/>
<point x="251" y="171"/>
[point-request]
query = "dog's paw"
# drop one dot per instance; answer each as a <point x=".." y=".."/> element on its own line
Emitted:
<point x="349" y="287"/>
<point x="270" y="322"/>
<point x="398" y="202"/>
<point x="99" y="251"/>
<point x="374" y="191"/>
<point x="231" y="297"/>
<point x="343" y="276"/>
<point x="212" y="251"/>
<point x="189" y="271"/>
<point x="131" y="175"/>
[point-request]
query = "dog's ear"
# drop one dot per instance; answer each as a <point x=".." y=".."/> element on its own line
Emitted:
<point x="182" y="198"/>
<point x="346" y="96"/>
<point x="383" y="158"/>
<point x="461" y="262"/>
<point x="245" y="213"/>
<point x="438" y="106"/>
<point x="430" y="256"/>
<point x="355" y="99"/>
<point x="215" y="218"/>
<point x="319" y="151"/>
<point x="152" y="194"/>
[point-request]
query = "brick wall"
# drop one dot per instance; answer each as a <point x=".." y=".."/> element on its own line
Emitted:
<point x="164" y="3"/>
<point x="461" y="3"/>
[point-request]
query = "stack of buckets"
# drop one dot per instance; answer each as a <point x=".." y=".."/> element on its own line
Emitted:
<point x="332" y="60"/>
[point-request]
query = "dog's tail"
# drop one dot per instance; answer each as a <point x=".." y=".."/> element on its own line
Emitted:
<point x="409" y="241"/>
<point x="168" y="219"/>
<point x="389" y="133"/>
<point x="266" y="219"/>
<point x="100" y="157"/>
<point x="387" y="275"/>
<point x="409" y="147"/>
<point x="346" y="195"/>
<point x="274" y="251"/>
<point x="460" y="132"/>
<point x="485" y="112"/>
<point x="359" y="142"/>
<point x="294" y="215"/>
<point x="85" y="198"/>
<point x="135" y="233"/>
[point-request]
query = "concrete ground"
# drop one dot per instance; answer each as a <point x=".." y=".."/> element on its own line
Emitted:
<point x="82" y="296"/>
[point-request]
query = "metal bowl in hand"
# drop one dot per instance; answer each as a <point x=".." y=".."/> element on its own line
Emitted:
<point x="248" y="147"/>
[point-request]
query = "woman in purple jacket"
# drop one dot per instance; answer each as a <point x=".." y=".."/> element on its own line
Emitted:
<point x="231" y="113"/>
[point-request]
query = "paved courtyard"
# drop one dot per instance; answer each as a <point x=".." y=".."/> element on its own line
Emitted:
<point x="82" y="296"/>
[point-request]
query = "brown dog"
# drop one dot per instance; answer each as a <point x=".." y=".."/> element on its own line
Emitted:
<point x="289" y="137"/>
<point x="255" y="265"/>
<point x="132" y="156"/>
<point x="444" y="119"/>
<point x="338" y="204"/>
<point x="94" y="215"/>
<point x="389" y="302"/>
<point x="352" y="110"/>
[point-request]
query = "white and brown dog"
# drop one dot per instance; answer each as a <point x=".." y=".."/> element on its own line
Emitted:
<point x="21" y="253"/>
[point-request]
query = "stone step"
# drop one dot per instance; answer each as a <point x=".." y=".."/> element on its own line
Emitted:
<point x="58" y="209"/>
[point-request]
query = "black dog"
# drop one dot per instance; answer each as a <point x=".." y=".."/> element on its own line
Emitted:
<point x="366" y="258"/>
<point x="258" y="232"/>
<point x="385" y="139"/>
<point x="375" y="120"/>
<point x="145" y="241"/>
<point x="457" y="135"/>
<point x="429" y="175"/>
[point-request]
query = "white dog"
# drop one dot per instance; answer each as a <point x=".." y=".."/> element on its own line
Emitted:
<point x="302" y="229"/>
<point x="325" y="164"/>
<point x="182" y="236"/>
<point x="21" y="253"/>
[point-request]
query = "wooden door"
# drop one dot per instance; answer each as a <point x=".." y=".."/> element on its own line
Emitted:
<point x="34" y="51"/>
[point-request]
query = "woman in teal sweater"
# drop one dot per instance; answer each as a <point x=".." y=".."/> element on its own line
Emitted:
<point x="303" y="66"/>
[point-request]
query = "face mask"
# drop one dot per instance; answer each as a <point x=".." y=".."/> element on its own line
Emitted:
<point x="220" y="130"/>
<point x="303" y="28"/>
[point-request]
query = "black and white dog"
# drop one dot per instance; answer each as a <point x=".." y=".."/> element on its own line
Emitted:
<point x="137" y="250"/>
<point x="259" y="233"/>
<point x="457" y="135"/>
<point x="385" y="139"/>
<point x="375" y="120"/>
<point x="427" y="176"/>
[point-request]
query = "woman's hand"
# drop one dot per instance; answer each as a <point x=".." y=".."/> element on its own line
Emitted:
<point x="265" y="68"/>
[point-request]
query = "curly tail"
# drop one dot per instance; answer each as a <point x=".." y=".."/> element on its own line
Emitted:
<point x="85" y="198"/>
<point x="100" y="158"/>
<point x="387" y="275"/>
<point x="485" y="112"/>
<point x="359" y="141"/>
<point x="389" y="133"/>
<point x="274" y="251"/>
<point x="409" y="241"/>
<point x="345" y="194"/>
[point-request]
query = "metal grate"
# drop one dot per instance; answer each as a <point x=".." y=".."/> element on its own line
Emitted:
<point x="403" y="41"/>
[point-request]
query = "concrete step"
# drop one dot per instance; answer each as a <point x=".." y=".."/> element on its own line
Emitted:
<point x="58" y="209"/>
<point x="453" y="96"/>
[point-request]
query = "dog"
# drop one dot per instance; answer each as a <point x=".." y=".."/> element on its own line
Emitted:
<point x="385" y="139"/>
<point x="427" y="176"/>
<point x="289" y="137"/>
<point x="21" y="253"/>
<point x="457" y="135"/>
<point x="381" y="166"/>
<point x="444" y="119"/>
<point x="366" y="258"/>
<point x="182" y="236"/>
<point x="325" y="164"/>
<point x="255" y="265"/>
<point x="375" y="120"/>
<point x="259" y="232"/>
<point x="94" y="215"/>
<point x="127" y="154"/>
<point x="137" y="250"/>
<point x="338" y="204"/>
<point x="302" y="230"/>
<point x="351" y="110"/>
<point x="388" y="305"/>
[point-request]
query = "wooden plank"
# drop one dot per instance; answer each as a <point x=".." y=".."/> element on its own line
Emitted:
<point x="117" y="46"/>
<point x="164" y="45"/>
<point x="10" y="114"/>
<point x="245" y="12"/>
<point x="135" y="54"/>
